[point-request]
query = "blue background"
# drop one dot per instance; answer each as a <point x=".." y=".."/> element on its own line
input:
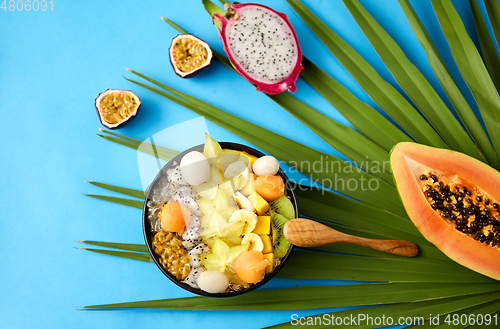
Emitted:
<point x="53" y="64"/>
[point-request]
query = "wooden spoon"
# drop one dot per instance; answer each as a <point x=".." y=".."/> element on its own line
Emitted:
<point x="307" y="233"/>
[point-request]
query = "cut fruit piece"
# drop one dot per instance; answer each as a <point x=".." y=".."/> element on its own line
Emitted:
<point x="173" y="217"/>
<point x="262" y="46"/>
<point x="227" y="156"/>
<point x="189" y="55"/>
<point x="263" y="226"/>
<point x="211" y="151"/>
<point x="213" y="224"/>
<point x="223" y="257"/>
<point x="266" y="165"/>
<point x="228" y="187"/>
<point x="243" y="202"/>
<point x="250" y="266"/>
<point x="270" y="187"/>
<point x="195" y="168"/>
<point x="209" y="189"/>
<point x="238" y="171"/>
<point x="205" y="206"/>
<point x="261" y="205"/>
<point x="115" y="107"/>
<point x="280" y="243"/>
<point x="254" y="242"/>
<point x="212" y="281"/>
<point x="224" y="205"/>
<point x="250" y="157"/>
<point x="283" y="206"/>
<point x="453" y="200"/>
<point x="250" y="187"/>
<point x="245" y="216"/>
<point x="268" y="245"/>
<point x="270" y="258"/>
<point x="229" y="232"/>
<point x="232" y="234"/>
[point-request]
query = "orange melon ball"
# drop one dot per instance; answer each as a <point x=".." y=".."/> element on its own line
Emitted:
<point x="270" y="187"/>
<point x="250" y="266"/>
<point x="174" y="217"/>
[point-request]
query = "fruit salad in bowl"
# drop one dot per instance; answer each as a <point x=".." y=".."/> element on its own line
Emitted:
<point x="213" y="219"/>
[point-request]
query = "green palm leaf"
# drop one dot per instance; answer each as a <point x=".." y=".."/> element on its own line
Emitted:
<point x="315" y="297"/>
<point x="293" y="153"/>
<point x="127" y="191"/>
<point x="122" y="201"/>
<point x="471" y="66"/>
<point x="123" y="246"/>
<point x="382" y="93"/>
<point x="123" y="254"/>
<point x="456" y="97"/>
<point x="347" y="141"/>
<point x="363" y="117"/>
<point x="145" y="147"/>
<point x="486" y="43"/>
<point x="413" y="82"/>
<point x="428" y="283"/>
<point x="414" y="310"/>
<point x="493" y="10"/>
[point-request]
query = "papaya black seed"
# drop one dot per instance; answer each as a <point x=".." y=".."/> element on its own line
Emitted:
<point x="423" y="177"/>
<point x="495" y="205"/>
<point x="461" y="194"/>
<point x="468" y="192"/>
<point x="479" y="199"/>
<point x="434" y="178"/>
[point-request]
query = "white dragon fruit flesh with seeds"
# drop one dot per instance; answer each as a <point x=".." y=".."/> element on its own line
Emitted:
<point x="261" y="45"/>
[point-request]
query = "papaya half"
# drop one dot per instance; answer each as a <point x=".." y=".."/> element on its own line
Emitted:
<point x="453" y="200"/>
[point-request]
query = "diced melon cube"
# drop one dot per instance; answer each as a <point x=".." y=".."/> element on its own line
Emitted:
<point x="250" y="157"/>
<point x="261" y="205"/>
<point x="263" y="226"/>
<point x="270" y="258"/>
<point x="268" y="245"/>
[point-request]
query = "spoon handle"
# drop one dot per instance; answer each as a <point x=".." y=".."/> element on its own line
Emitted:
<point x="307" y="233"/>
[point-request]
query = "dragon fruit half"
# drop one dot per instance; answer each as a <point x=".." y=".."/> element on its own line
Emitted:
<point x="262" y="46"/>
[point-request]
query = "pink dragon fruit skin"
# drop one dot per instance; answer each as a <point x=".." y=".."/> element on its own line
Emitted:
<point x="263" y="30"/>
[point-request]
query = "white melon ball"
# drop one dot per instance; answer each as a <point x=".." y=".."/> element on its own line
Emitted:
<point x="195" y="168"/>
<point x="266" y="165"/>
<point x="213" y="282"/>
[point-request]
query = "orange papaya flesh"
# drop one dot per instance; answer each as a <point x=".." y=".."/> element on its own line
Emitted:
<point x="453" y="200"/>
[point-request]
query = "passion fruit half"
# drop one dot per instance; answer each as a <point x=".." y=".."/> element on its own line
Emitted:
<point x="115" y="107"/>
<point x="189" y="54"/>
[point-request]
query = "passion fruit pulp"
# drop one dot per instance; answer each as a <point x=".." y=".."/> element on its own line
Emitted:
<point x="189" y="54"/>
<point x="115" y="107"/>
